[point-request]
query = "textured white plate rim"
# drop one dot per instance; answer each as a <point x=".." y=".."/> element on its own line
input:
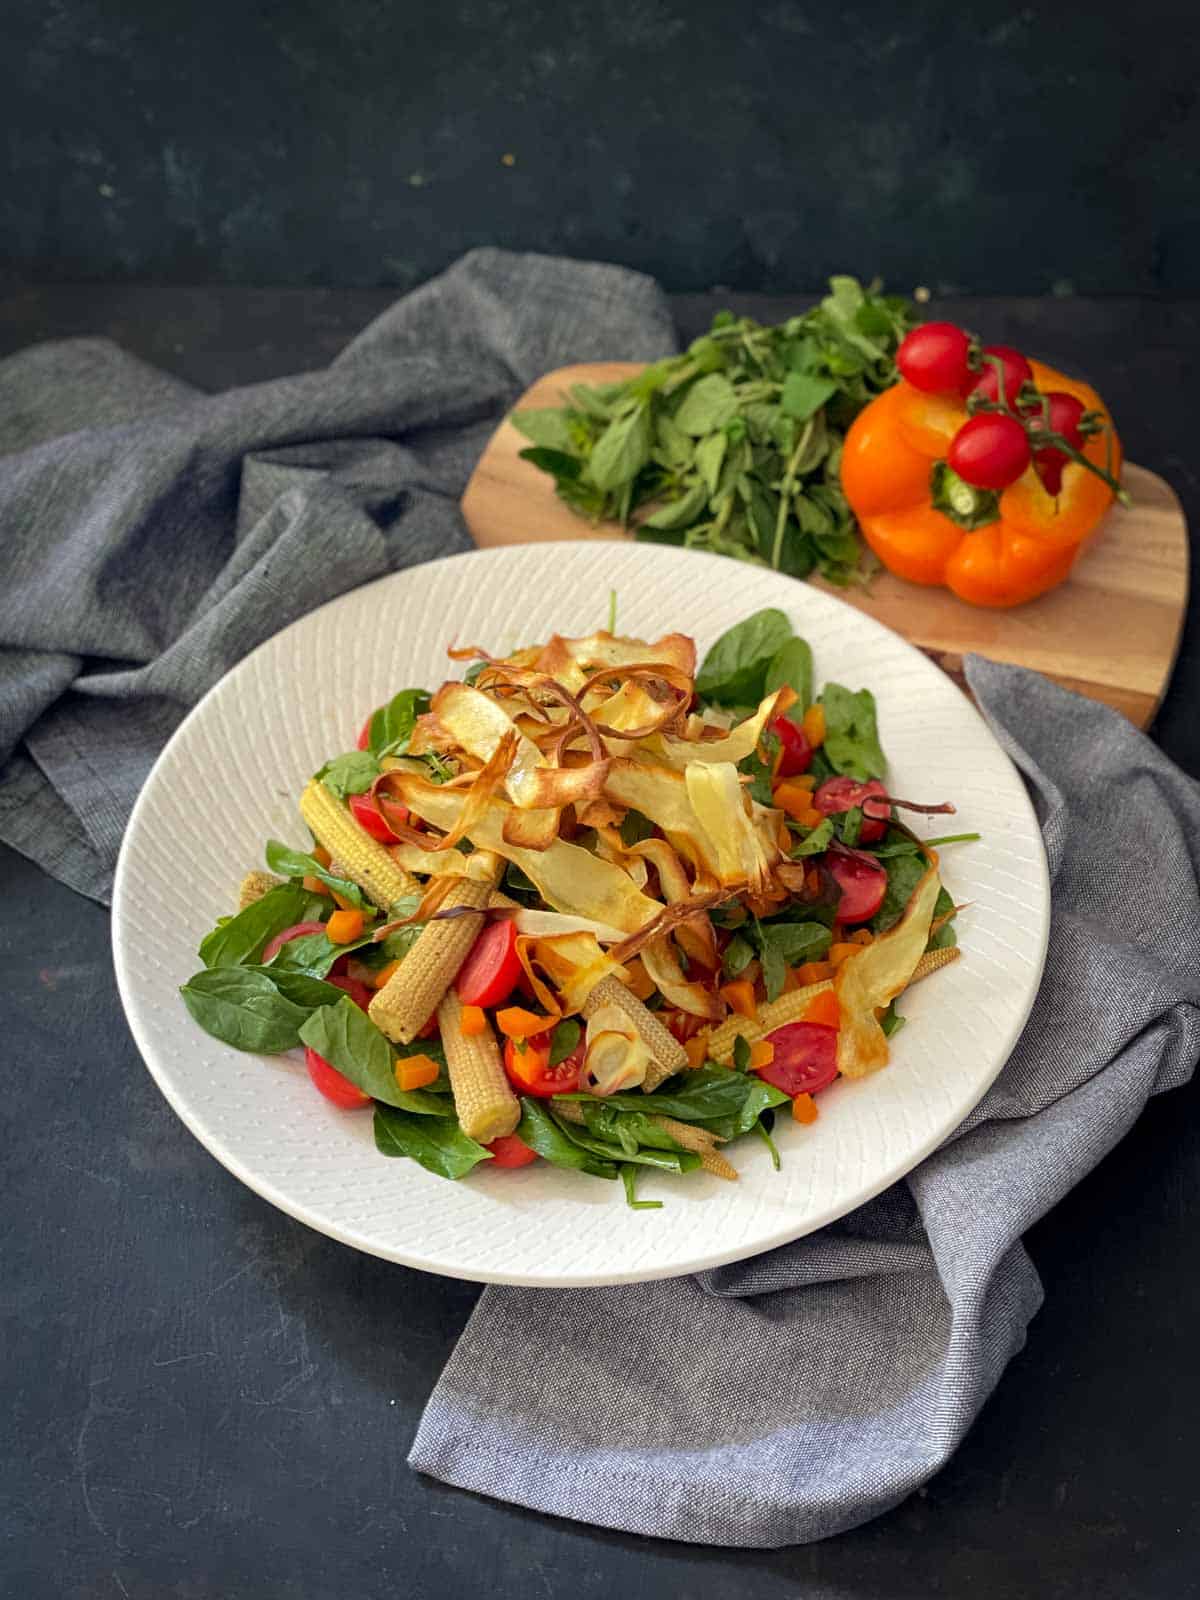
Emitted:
<point x="124" y="905"/>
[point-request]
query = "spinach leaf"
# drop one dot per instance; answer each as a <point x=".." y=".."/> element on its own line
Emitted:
<point x="563" y="1040"/>
<point x="786" y="944"/>
<point x="242" y="939"/>
<point x="702" y="1096"/>
<point x="739" y="953"/>
<point x="759" y="770"/>
<point x="351" y="1042"/>
<point x="353" y="773"/>
<point x="676" y="1160"/>
<point x="851" y="734"/>
<point x="313" y="954"/>
<point x="945" y="937"/>
<point x="629" y="1129"/>
<point x="623" y="449"/>
<point x="542" y="1133"/>
<point x="849" y="825"/>
<point x="792" y="664"/>
<point x="761" y="1097"/>
<point x="436" y="1143"/>
<point x="891" y="1021"/>
<point x="246" y="1008"/>
<point x="734" y="670"/>
<point x="813" y="842"/>
<point x="392" y="725"/>
<point x="708" y="404"/>
<point x="904" y="872"/>
<point x="297" y="864"/>
<point x="629" y="1177"/>
<point x="741" y="1053"/>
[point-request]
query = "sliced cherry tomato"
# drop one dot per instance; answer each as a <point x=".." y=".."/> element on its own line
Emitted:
<point x="431" y="1030"/>
<point x="357" y="991"/>
<point x="363" y="741"/>
<point x="989" y="451"/>
<point x="933" y="358"/>
<point x="332" y="1084"/>
<point x="492" y="968"/>
<point x="1065" y="414"/>
<point x="843" y="794"/>
<point x="796" y="752"/>
<point x="862" y="880"/>
<point x="294" y="932"/>
<point x="510" y="1151"/>
<point x="368" y="815"/>
<point x="1016" y="372"/>
<point x="682" y="1025"/>
<point x="529" y="1069"/>
<point x="805" y="1059"/>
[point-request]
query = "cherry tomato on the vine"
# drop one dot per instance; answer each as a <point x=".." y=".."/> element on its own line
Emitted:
<point x="990" y="450"/>
<point x="933" y="359"/>
<point x="1065" y="414"/>
<point x="1016" y="372"/>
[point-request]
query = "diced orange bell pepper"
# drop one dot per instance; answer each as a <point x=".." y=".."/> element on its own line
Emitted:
<point x="471" y="1021"/>
<point x="314" y="885"/>
<point x="762" y="1053"/>
<point x="414" y="1072"/>
<point x="739" y="997"/>
<point x="696" y="1050"/>
<point x="321" y="856"/>
<point x="804" y="1108"/>
<point x="515" y="1022"/>
<point x="795" y="800"/>
<point x="842" y="952"/>
<point x="825" y="1009"/>
<point x="813" y="972"/>
<point x="381" y="978"/>
<point x="344" y="927"/>
<point x="814" y="726"/>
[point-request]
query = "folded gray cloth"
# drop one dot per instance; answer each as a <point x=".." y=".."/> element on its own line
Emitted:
<point x="152" y="535"/>
<point x="806" y="1390"/>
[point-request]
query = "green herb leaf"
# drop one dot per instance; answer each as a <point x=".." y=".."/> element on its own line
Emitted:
<point x="679" y="513"/>
<point x="563" y="1040"/>
<point x="240" y="940"/>
<point x="849" y="825"/>
<point x="710" y="457"/>
<point x="546" y="426"/>
<point x="804" y="393"/>
<point x="739" y="953"/>
<point x="851" y="734"/>
<point x="814" y="842"/>
<point x="250" y="1008"/>
<point x="734" y="670"/>
<point x="792" y="664"/>
<point x="392" y="725"/>
<point x="436" y="1143"/>
<point x="622" y="450"/>
<point x="708" y="404"/>
<point x="353" y="773"/>
<point x="794" y="942"/>
<point x="556" y="462"/>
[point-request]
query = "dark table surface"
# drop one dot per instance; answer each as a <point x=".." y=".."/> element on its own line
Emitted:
<point x="205" y="1400"/>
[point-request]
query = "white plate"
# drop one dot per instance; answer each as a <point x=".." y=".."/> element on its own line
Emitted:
<point x="229" y="779"/>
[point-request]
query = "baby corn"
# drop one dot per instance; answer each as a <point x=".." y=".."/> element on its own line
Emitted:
<point x="702" y="1141"/>
<point x="410" y="997"/>
<point x="254" y="886"/>
<point x="667" y="1055"/>
<point x="486" y="1106"/>
<point x="361" y="858"/>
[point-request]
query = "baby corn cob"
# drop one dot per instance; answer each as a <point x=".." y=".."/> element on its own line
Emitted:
<point x="486" y="1106"/>
<point x="361" y="858"/>
<point x="411" y="995"/>
<point x="791" y="1008"/>
<point x="254" y="886"/>
<point x="667" y="1055"/>
<point x="702" y="1142"/>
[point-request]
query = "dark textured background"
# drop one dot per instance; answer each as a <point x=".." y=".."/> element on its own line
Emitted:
<point x="983" y="148"/>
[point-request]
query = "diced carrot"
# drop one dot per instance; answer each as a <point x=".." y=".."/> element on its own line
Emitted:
<point x="739" y="996"/>
<point x="344" y="927"/>
<point x="696" y="1050"/>
<point x="321" y="856"/>
<point x="814" y="726"/>
<point x="471" y="1021"/>
<point x="314" y="885"/>
<point x="517" y="1023"/>
<point x="804" y="1108"/>
<point x="794" y="798"/>
<point x="762" y="1053"/>
<point x="814" y="972"/>
<point x="342" y="903"/>
<point x="414" y="1072"/>
<point x="842" y="952"/>
<point x="812" y="818"/>
<point x="824" y="1008"/>
<point x="641" y="984"/>
<point x="381" y="977"/>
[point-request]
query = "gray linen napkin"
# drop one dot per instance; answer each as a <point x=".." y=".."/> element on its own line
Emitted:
<point x="804" y="1391"/>
<point x="151" y="535"/>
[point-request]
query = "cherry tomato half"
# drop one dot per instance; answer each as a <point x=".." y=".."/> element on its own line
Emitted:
<point x="332" y="1084"/>
<point x="805" y="1059"/>
<point x="843" y="794"/>
<point x="862" y="880"/>
<point x="490" y="973"/>
<point x="529" y="1070"/>
<point x="796" y="753"/>
<point x="989" y="451"/>
<point x="510" y="1151"/>
<point x="294" y="932"/>
<point x="682" y="1025"/>
<point x="364" y="734"/>
<point x="357" y="991"/>
<point x="368" y="815"/>
<point x="933" y="358"/>
<point x="1016" y="372"/>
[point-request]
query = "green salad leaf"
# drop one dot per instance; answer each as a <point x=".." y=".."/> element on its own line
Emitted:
<point x="542" y="1133"/>
<point x="241" y="940"/>
<point x="291" y="863"/>
<point x="792" y="664"/>
<point x="437" y="1143"/>
<point x="350" y="1041"/>
<point x="391" y="726"/>
<point x="851" y="733"/>
<point x="734" y="671"/>
<point x="255" y="1008"/>
<point x="352" y="773"/>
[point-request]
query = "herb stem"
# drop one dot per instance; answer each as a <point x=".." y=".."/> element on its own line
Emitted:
<point x="952" y="838"/>
<point x="785" y="491"/>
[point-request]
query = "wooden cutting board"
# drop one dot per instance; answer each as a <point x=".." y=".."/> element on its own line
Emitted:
<point x="1111" y="631"/>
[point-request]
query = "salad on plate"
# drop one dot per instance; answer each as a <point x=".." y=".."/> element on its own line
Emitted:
<point x="592" y="905"/>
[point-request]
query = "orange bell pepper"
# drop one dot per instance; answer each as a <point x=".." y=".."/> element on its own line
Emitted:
<point x="887" y="466"/>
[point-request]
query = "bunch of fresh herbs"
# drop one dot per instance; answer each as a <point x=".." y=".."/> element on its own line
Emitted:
<point x="735" y="445"/>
